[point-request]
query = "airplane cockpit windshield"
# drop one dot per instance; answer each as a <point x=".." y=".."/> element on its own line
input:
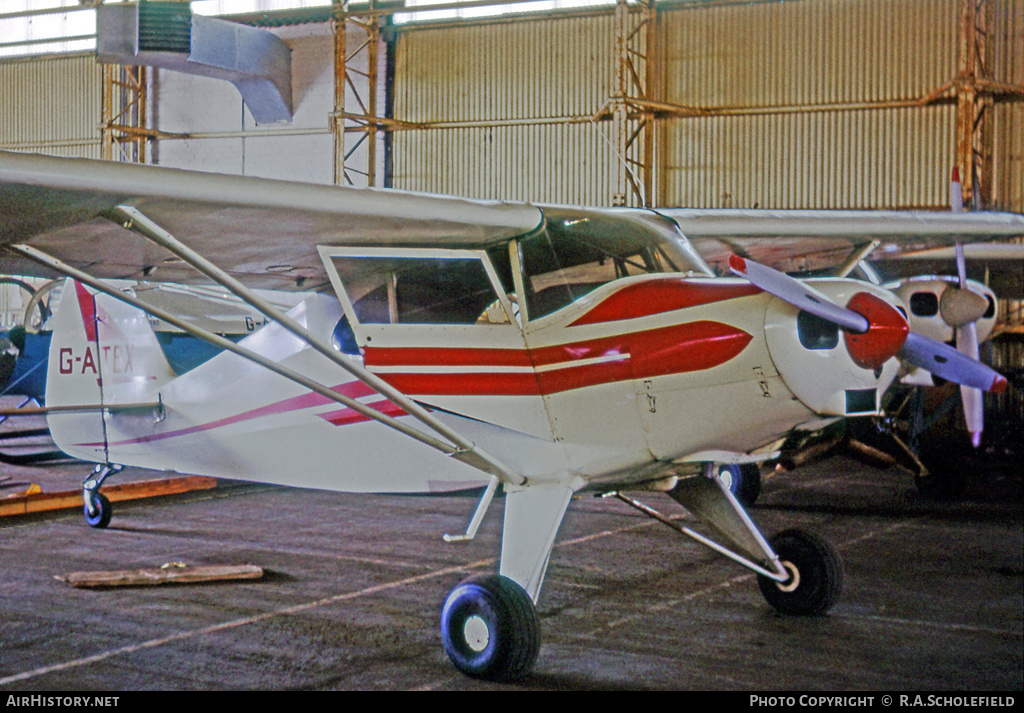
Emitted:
<point x="575" y="252"/>
<point x="575" y="255"/>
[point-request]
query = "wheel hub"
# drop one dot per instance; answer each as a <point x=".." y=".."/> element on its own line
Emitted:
<point x="793" y="582"/>
<point x="726" y="476"/>
<point x="476" y="633"/>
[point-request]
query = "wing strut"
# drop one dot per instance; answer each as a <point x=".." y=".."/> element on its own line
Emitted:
<point x="463" y="450"/>
<point x="466" y="451"/>
<point x="856" y="258"/>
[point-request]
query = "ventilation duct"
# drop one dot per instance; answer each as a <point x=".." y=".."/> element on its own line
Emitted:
<point x="169" y="36"/>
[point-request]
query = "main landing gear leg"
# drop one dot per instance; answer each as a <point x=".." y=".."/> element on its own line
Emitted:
<point x="798" y="572"/>
<point x="98" y="509"/>
<point x="489" y="626"/>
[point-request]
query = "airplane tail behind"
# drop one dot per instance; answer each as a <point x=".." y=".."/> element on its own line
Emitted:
<point x="103" y="353"/>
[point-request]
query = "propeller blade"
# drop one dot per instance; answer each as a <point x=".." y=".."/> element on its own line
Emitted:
<point x="946" y="362"/>
<point x="799" y="295"/>
<point x="974" y="410"/>
<point x="967" y="331"/>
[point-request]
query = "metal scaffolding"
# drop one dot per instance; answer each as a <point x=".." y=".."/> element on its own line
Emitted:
<point x="362" y="124"/>
<point x="975" y="95"/>
<point x="125" y="135"/>
<point x="631" y="108"/>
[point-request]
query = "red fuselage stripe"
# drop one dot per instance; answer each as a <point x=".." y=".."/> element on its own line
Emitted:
<point x="644" y="299"/>
<point x="675" y="349"/>
<point x="640" y="355"/>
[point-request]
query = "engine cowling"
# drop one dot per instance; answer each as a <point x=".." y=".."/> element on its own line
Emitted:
<point x="831" y="371"/>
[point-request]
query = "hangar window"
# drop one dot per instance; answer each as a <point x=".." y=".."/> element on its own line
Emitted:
<point x="50" y="27"/>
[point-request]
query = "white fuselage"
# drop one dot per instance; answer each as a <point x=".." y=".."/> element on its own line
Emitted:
<point x="641" y="372"/>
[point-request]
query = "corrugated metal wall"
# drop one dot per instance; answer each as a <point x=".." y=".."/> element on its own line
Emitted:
<point x="557" y="163"/>
<point x="813" y="103"/>
<point x="810" y="52"/>
<point x="857" y="159"/>
<point x="542" y="67"/>
<point x="51" y="105"/>
<point x="772" y="71"/>
<point x="1008" y="68"/>
<point x="523" y="94"/>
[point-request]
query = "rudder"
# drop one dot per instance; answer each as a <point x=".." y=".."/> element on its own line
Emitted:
<point x="103" y="353"/>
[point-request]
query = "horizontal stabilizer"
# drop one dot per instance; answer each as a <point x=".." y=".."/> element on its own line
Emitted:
<point x="81" y="408"/>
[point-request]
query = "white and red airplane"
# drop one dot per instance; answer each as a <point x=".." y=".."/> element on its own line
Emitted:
<point x="456" y="344"/>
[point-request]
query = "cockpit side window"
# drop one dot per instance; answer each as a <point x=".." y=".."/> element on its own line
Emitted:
<point x="562" y="264"/>
<point x="416" y="290"/>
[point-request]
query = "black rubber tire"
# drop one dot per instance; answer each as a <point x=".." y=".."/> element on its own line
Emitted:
<point x="749" y="489"/>
<point x="505" y="614"/>
<point x="819" y="571"/>
<point x="104" y="511"/>
<point x="743" y="481"/>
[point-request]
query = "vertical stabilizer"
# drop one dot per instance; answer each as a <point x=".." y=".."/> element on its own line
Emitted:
<point x="102" y="353"/>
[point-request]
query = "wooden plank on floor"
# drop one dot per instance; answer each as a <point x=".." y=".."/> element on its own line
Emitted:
<point x="172" y="573"/>
<point x="25" y="503"/>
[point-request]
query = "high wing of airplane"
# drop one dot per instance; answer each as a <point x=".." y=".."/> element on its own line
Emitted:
<point x="454" y="344"/>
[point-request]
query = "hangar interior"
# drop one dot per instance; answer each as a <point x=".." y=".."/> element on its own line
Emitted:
<point x="827" y="104"/>
<point x="696" y="104"/>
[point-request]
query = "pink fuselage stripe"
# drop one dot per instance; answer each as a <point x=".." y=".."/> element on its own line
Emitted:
<point x="352" y="389"/>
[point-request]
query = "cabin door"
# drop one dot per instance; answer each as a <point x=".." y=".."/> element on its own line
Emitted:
<point x="440" y="326"/>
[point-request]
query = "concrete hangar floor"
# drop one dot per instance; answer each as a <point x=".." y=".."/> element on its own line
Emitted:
<point x="353" y="587"/>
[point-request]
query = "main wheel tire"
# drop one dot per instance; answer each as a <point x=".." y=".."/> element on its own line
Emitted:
<point x="103" y="511"/>
<point x="490" y="628"/>
<point x="816" y="574"/>
<point x="743" y="481"/>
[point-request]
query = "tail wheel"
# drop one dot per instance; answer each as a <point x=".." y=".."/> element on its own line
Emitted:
<point x="490" y="628"/>
<point x="102" y="511"/>
<point x="816" y="574"/>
